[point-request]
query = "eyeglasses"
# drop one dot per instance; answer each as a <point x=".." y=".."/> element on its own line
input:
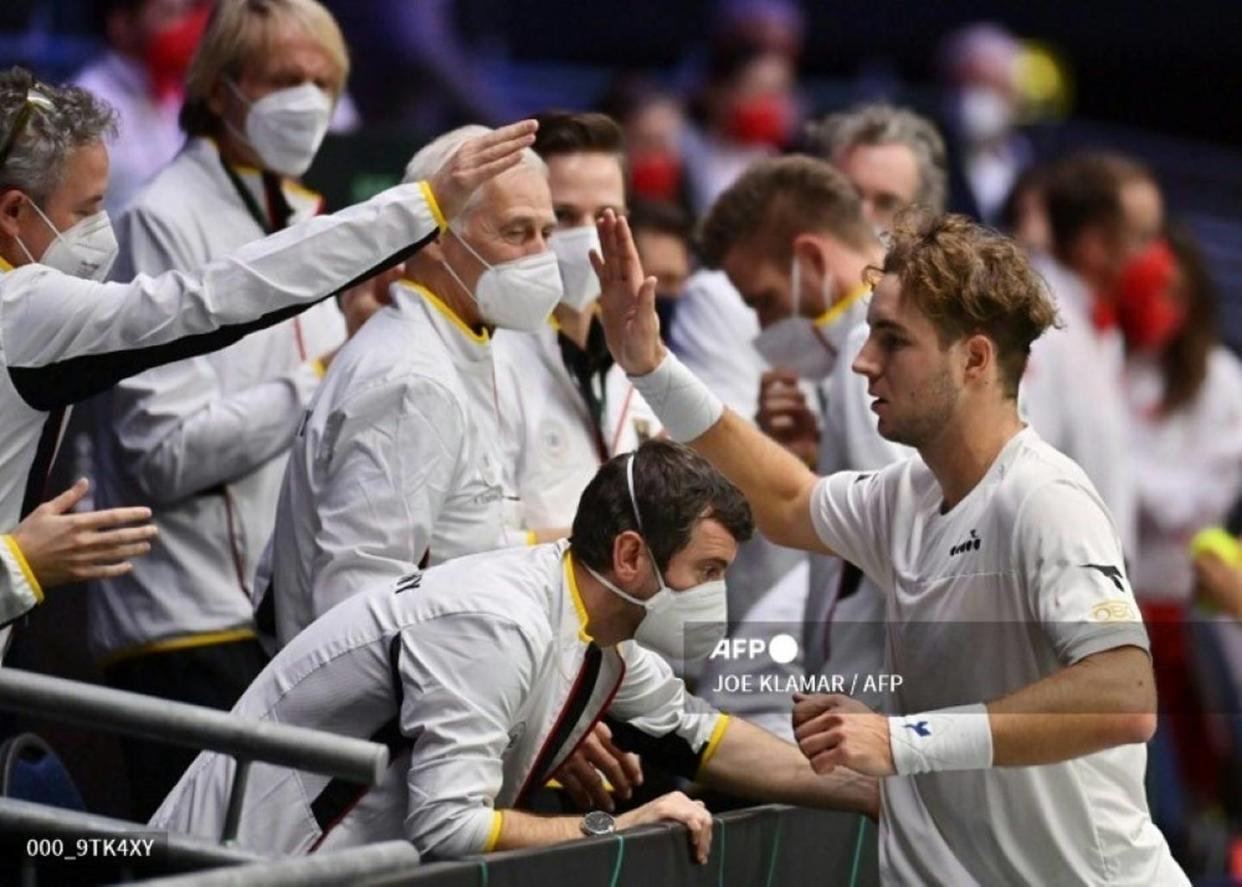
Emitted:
<point x="34" y="99"/>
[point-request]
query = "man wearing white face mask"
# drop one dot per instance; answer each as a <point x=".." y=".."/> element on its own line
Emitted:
<point x="565" y="406"/>
<point x="483" y="674"/>
<point x="784" y="221"/>
<point x="64" y="338"/>
<point x="202" y="441"/>
<point x="397" y="461"/>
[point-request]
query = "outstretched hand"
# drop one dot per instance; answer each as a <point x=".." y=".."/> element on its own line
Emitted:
<point x="627" y="299"/>
<point x="63" y="547"/>
<point x="478" y="160"/>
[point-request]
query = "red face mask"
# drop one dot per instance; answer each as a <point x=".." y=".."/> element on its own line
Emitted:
<point x="762" y="120"/>
<point x="168" y="53"/>
<point x="1147" y="312"/>
<point x="656" y="175"/>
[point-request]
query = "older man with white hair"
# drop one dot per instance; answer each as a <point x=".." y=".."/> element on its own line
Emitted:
<point x="397" y="461"/>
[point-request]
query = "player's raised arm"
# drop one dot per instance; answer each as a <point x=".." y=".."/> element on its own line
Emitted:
<point x="775" y="483"/>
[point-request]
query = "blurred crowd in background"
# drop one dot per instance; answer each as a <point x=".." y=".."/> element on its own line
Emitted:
<point x="702" y="91"/>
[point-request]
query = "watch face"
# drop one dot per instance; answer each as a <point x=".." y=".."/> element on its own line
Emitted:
<point x="597" y="822"/>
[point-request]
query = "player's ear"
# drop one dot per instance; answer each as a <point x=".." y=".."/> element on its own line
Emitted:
<point x="979" y="357"/>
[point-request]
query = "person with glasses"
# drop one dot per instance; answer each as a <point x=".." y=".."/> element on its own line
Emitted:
<point x="65" y="335"/>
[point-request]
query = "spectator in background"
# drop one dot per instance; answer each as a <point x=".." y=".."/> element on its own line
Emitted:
<point x="1104" y="210"/>
<point x="1025" y="216"/>
<point x="141" y="74"/>
<point x="746" y="112"/>
<point x="893" y="157"/>
<point x="203" y="441"/>
<point x="662" y="238"/>
<point x="979" y="66"/>
<point x="1184" y="392"/>
<point x="653" y="128"/>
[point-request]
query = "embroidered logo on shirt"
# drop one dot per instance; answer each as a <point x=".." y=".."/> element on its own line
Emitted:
<point x="1109" y="571"/>
<point x="1114" y="611"/>
<point x="408" y="581"/>
<point x="971" y="544"/>
<point x="920" y="728"/>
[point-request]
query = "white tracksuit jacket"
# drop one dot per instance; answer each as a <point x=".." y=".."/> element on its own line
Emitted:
<point x="549" y="437"/>
<point x="397" y="462"/>
<point x="63" y="339"/>
<point x="479" y="676"/>
<point x="202" y="441"/>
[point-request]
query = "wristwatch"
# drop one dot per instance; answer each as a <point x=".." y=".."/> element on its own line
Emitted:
<point x="597" y="822"/>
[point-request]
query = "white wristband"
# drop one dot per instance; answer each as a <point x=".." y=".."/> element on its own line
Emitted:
<point x="685" y="406"/>
<point x="958" y="738"/>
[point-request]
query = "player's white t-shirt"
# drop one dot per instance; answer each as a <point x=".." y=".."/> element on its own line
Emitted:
<point x="1021" y="578"/>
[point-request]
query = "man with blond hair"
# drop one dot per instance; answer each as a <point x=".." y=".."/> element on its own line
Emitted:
<point x="1027" y="687"/>
<point x="203" y="441"/>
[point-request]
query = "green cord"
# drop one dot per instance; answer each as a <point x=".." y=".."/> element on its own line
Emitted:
<point x="482" y="874"/>
<point x="720" y="879"/>
<point x="862" y="830"/>
<point x="776" y="845"/>
<point x="616" y="869"/>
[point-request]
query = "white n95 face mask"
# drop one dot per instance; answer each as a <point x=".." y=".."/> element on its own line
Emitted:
<point x="682" y="624"/>
<point x="799" y="343"/>
<point x="984" y="113"/>
<point x="515" y="295"/>
<point x="286" y="127"/>
<point x="86" y="250"/>
<point x="573" y="254"/>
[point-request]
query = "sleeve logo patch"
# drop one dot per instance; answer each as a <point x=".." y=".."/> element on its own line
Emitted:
<point x="1114" y="611"/>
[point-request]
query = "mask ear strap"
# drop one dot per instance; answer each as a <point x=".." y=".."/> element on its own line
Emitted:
<point x="629" y="479"/>
<point x="470" y="249"/>
<point x="46" y="221"/>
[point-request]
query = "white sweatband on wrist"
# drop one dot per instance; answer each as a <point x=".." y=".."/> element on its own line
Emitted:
<point x="958" y="738"/>
<point x="684" y="405"/>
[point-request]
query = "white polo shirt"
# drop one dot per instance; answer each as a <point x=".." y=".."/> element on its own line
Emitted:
<point x="1020" y="579"/>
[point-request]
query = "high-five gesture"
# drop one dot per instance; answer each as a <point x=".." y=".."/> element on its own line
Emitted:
<point x="627" y="299"/>
<point x="477" y="161"/>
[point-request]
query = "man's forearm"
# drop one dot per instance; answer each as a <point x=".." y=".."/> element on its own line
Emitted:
<point x="1107" y="699"/>
<point x="774" y="481"/>
<point x="519" y="830"/>
<point x="752" y="763"/>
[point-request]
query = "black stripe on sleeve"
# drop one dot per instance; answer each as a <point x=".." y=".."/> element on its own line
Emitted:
<point x="75" y="379"/>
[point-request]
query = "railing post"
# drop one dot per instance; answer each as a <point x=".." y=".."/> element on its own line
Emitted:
<point x="232" y="817"/>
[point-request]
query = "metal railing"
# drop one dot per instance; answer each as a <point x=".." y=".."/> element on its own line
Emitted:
<point x="178" y="723"/>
